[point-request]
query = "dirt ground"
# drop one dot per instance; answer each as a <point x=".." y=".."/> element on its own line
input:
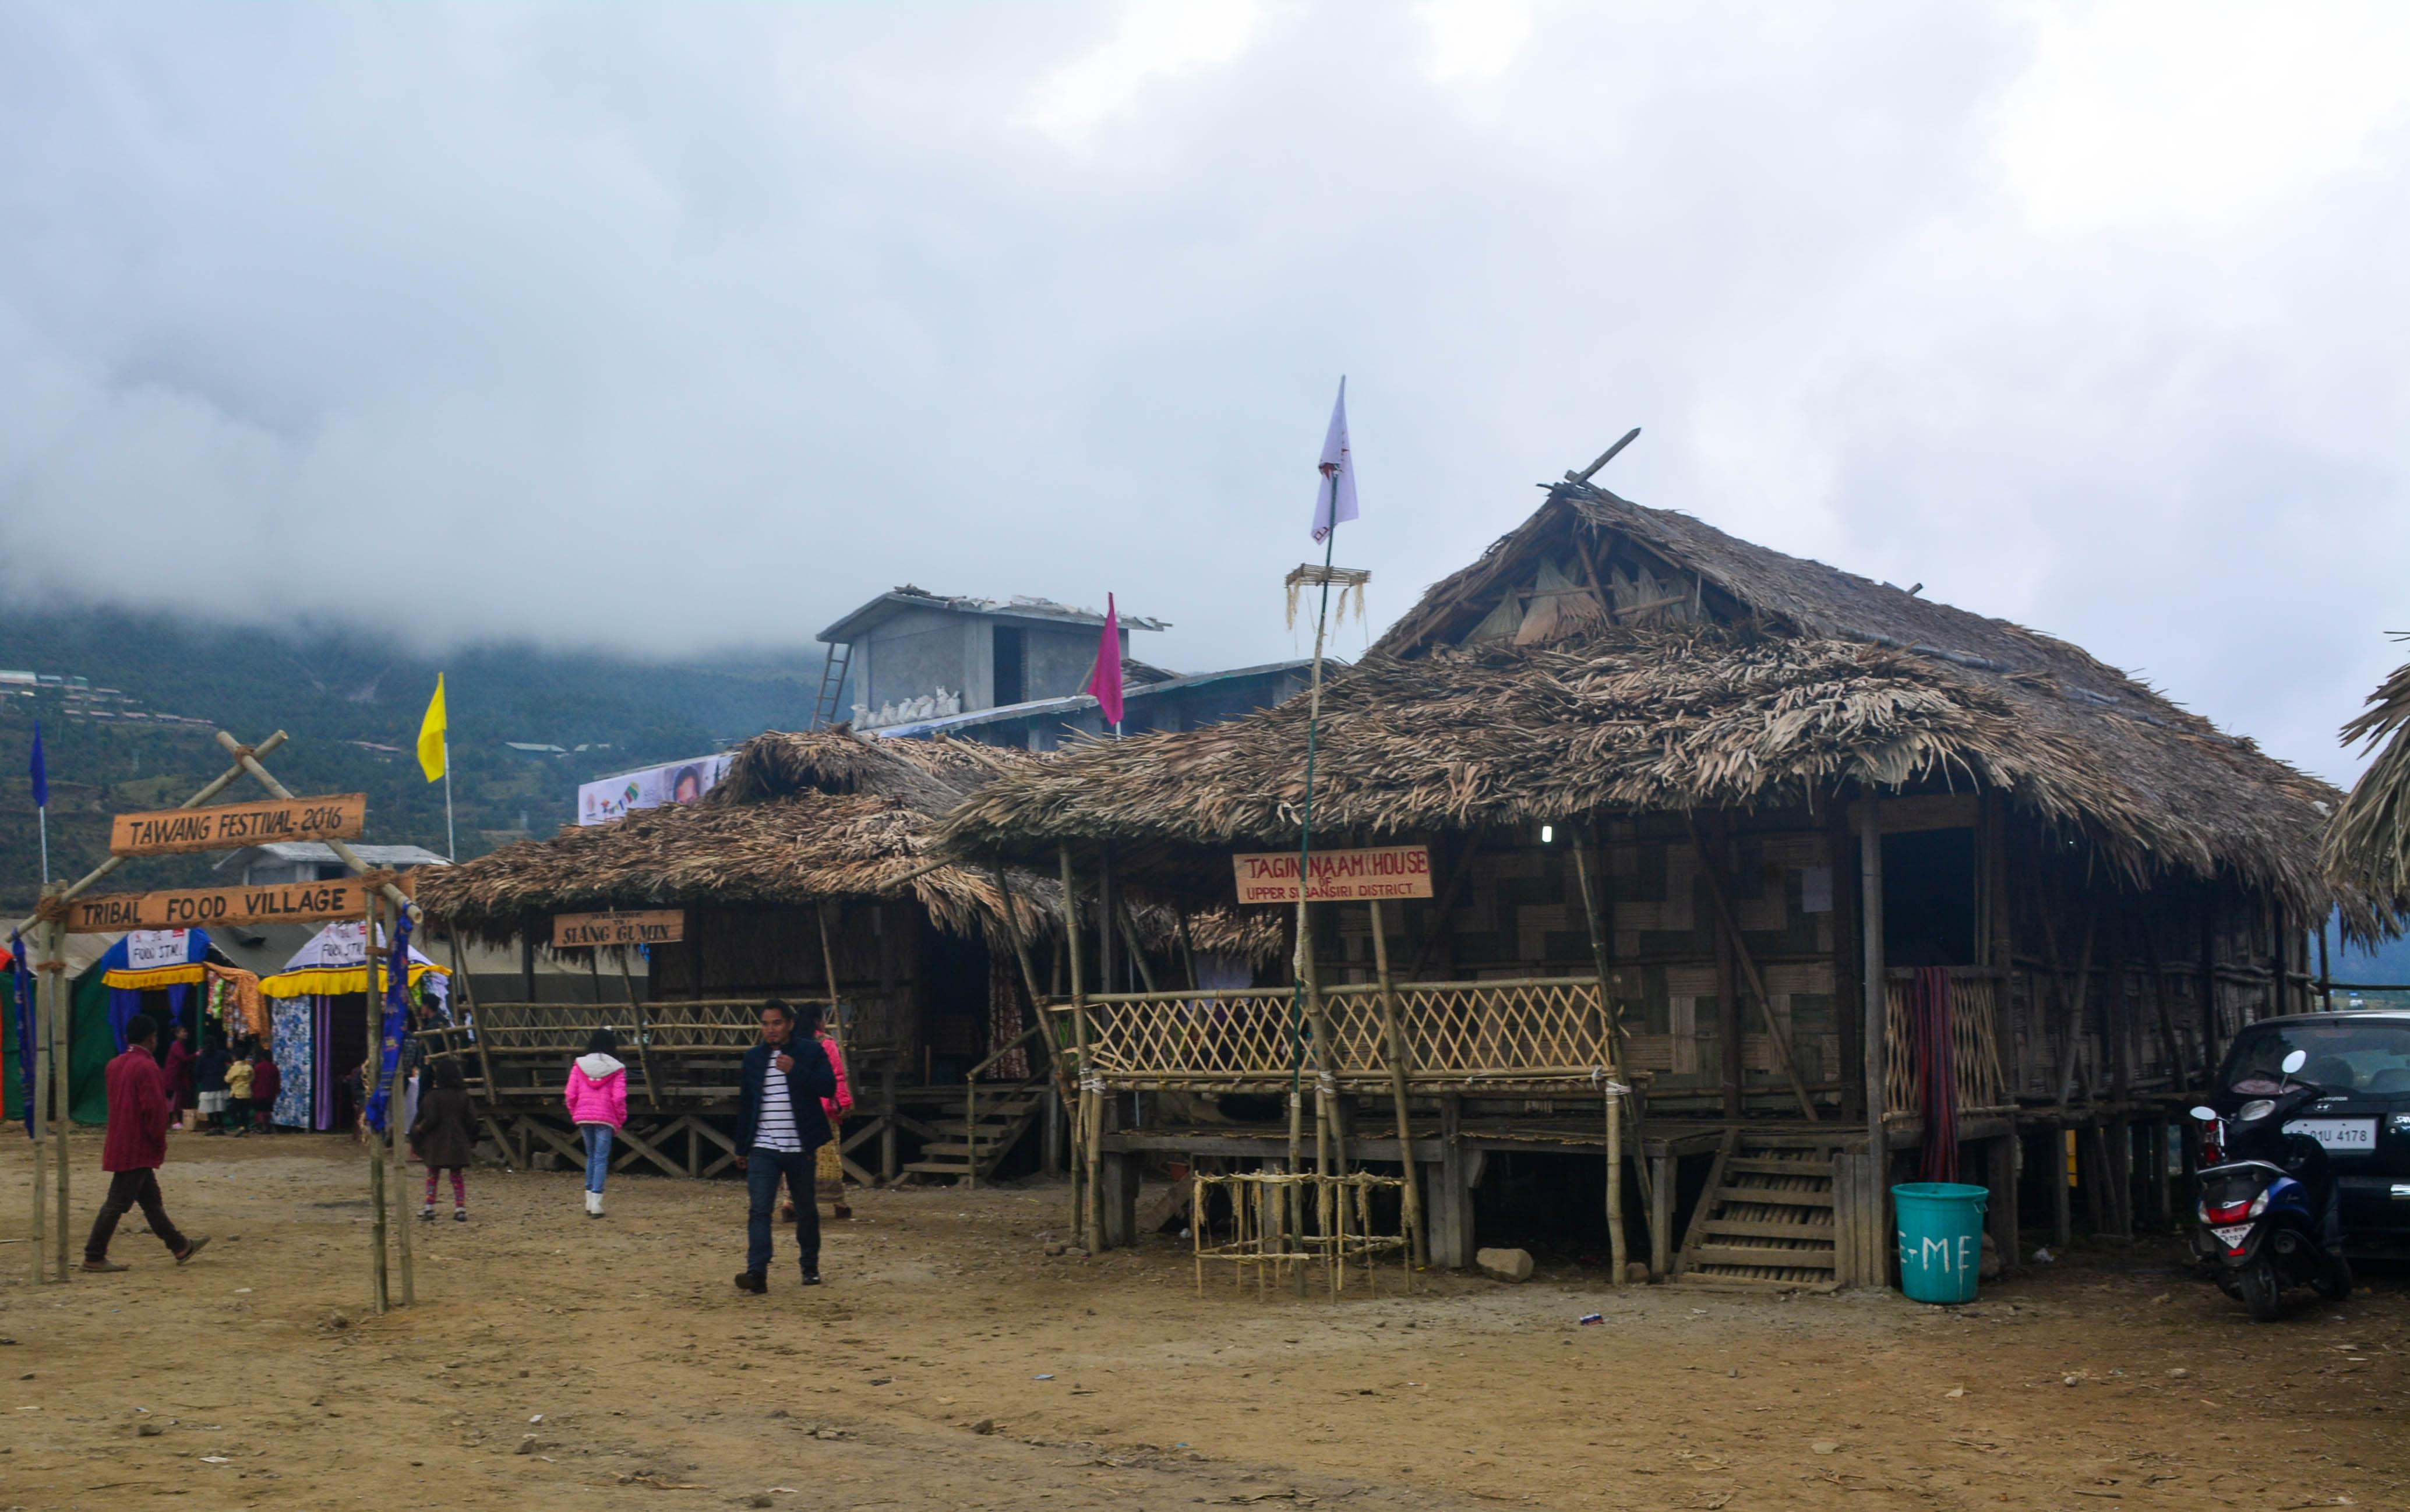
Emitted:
<point x="951" y="1362"/>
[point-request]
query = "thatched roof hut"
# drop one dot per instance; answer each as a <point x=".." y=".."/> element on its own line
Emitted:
<point x="2368" y="846"/>
<point x="1687" y="668"/>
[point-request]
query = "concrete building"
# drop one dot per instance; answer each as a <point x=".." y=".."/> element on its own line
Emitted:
<point x="914" y="655"/>
<point x="308" y="861"/>
<point x="1165" y="701"/>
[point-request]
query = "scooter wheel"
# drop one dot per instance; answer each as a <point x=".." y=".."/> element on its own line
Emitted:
<point x="2335" y="1284"/>
<point x="2258" y="1283"/>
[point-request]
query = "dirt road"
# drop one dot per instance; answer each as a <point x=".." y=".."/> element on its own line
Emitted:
<point x="950" y="1362"/>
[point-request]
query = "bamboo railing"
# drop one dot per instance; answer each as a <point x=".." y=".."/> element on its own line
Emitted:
<point x="1535" y="1032"/>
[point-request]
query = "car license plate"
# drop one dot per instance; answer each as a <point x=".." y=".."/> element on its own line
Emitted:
<point x="2338" y="1133"/>
<point x="2232" y="1237"/>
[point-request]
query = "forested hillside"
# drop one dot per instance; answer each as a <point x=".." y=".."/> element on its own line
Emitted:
<point x="338" y="693"/>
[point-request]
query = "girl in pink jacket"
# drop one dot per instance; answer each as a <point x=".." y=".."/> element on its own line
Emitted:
<point x="597" y="1095"/>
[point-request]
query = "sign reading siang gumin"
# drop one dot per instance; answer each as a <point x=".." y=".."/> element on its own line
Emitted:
<point x="656" y="926"/>
<point x="341" y="816"/>
<point x="270" y="903"/>
<point x="1381" y="871"/>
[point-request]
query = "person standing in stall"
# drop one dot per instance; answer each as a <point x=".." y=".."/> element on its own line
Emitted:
<point x="238" y="1077"/>
<point x="209" y="1076"/>
<point x="178" y="1069"/>
<point x="134" y="1149"/>
<point x="265" y="1082"/>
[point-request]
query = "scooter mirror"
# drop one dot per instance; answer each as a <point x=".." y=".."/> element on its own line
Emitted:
<point x="2207" y="1115"/>
<point x="2295" y="1061"/>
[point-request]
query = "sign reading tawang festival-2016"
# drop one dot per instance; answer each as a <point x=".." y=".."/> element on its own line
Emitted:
<point x="652" y="926"/>
<point x="341" y="816"/>
<point x="1380" y="871"/>
<point x="268" y="903"/>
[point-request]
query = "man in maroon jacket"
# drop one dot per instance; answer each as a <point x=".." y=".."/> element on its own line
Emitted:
<point x="139" y="1112"/>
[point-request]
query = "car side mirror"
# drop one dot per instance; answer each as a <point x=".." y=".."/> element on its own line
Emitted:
<point x="2295" y="1061"/>
<point x="2207" y="1115"/>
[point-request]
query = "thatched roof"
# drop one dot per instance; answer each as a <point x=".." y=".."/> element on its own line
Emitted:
<point x="1727" y="676"/>
<point x="2368" y="845"/>
<point x="798" y="818"/>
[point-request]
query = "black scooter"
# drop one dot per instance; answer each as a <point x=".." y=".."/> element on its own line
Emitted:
<point x="2269" y="1212"/>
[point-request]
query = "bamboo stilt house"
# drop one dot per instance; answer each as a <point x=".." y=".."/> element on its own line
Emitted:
<point x="1836" y="876"/>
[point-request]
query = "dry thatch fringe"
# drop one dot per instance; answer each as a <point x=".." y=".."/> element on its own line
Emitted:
<point x="931" y="775"/>
<point x="1670" y="719"/>
<point x="2368" y="842"/>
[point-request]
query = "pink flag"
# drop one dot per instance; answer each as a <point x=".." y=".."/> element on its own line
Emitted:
<point x="1105" y="681"/>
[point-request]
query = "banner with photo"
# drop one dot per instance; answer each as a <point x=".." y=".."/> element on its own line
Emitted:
<point x="678" y="782"/>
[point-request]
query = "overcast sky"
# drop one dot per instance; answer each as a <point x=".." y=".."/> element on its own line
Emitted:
<point x="670" y="326"/>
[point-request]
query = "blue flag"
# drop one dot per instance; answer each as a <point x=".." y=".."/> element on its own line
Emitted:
<point x="41" y="773"/>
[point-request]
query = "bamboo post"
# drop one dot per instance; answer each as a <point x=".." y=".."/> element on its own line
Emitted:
<point x="2074" y="1005"/>
<point x="1878" y="1031"/>
<point x="396" y="1145"/>
<point x="1748" y="967"/>
<point x="379" y="1299"/>
<point x="1393" y="1031"/>
<point x="1084" y="1207"/>
<point x="62" y="1090"/>
<point x="37" y="1014"/>
<point x="643" y="1033"/>
<point x="1618" y="1251"/>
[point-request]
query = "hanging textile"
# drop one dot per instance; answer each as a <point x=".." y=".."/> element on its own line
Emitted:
<point x="21" y="977"/>
<point x="322" y="1062"/>
<point x="293" y="1044"/>
<point x="1936" y="1052"/>
<point x="392" y="1025"/>
<point x="1005" y="1022"/>
<point x="237" y="1001"/>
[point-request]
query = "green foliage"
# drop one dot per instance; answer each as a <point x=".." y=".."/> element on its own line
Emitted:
<point x="335" y="692"/>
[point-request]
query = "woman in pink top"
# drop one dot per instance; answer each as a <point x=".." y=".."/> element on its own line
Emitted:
<point x="830" y="1172"/>
<point x="597" y="1095"/>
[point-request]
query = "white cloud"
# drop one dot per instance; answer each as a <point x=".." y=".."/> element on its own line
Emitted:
<point x="1473" y="40"/>
<point x="1157" y="42"/>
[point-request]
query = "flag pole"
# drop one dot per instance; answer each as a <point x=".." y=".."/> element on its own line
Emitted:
<point x="1304" y="878"/>
<point x="451" y="846"/>
<point x="44" y="811"/>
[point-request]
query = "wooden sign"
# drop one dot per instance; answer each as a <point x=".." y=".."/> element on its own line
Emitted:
<point x="656" y="926"/>
<point x="341" y="816"/>
<point x="1380" y="871"/>
<point x="268" y="903"/>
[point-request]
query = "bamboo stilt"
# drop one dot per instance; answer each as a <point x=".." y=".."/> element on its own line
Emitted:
<point x="1087" y="1211"/>
<point x="1394" y="1034"/>
<point x="62" y="1092"/>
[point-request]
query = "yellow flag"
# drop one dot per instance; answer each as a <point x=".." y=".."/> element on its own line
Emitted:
<point x="431" y="733"/>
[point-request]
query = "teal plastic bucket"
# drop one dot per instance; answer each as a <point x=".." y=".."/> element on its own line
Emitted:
<point x="1940" y="1239"/>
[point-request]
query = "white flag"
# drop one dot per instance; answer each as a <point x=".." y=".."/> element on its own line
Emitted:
<point x="1334" y="497"/>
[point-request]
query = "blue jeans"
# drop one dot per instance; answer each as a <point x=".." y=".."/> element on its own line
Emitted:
<point x="764" y="1171"/>
<point x="597" y="1154"/>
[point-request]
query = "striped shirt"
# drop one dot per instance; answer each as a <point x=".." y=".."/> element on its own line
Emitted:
<point x="775" y="1131"/>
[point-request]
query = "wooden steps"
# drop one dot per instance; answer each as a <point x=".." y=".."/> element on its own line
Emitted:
<point x="1766" y="1219"/>
<point x="962" y="1151"/>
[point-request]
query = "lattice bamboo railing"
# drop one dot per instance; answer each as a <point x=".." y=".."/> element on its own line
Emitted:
<point x="1975" y="1052"/>
<point x="1506" y="1034"/>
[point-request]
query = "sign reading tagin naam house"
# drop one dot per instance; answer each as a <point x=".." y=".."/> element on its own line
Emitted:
<point x="341" y="816"/>
<point x="1379" y="871"/>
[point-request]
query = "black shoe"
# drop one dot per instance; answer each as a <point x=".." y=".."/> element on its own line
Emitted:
<point x="752" y="1281"/>
<point x="811" y="1278"/>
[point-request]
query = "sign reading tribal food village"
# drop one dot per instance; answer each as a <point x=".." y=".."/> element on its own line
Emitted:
<point x="270" y="902"/>
<point x="1381" y="871"/>
<point x="656" y="926"/>
<point x="341" y="816"/>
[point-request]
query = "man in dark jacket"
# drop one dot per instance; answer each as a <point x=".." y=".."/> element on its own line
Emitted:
<point x="135" y="1148"/>
<point x="779" y="1125"/>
